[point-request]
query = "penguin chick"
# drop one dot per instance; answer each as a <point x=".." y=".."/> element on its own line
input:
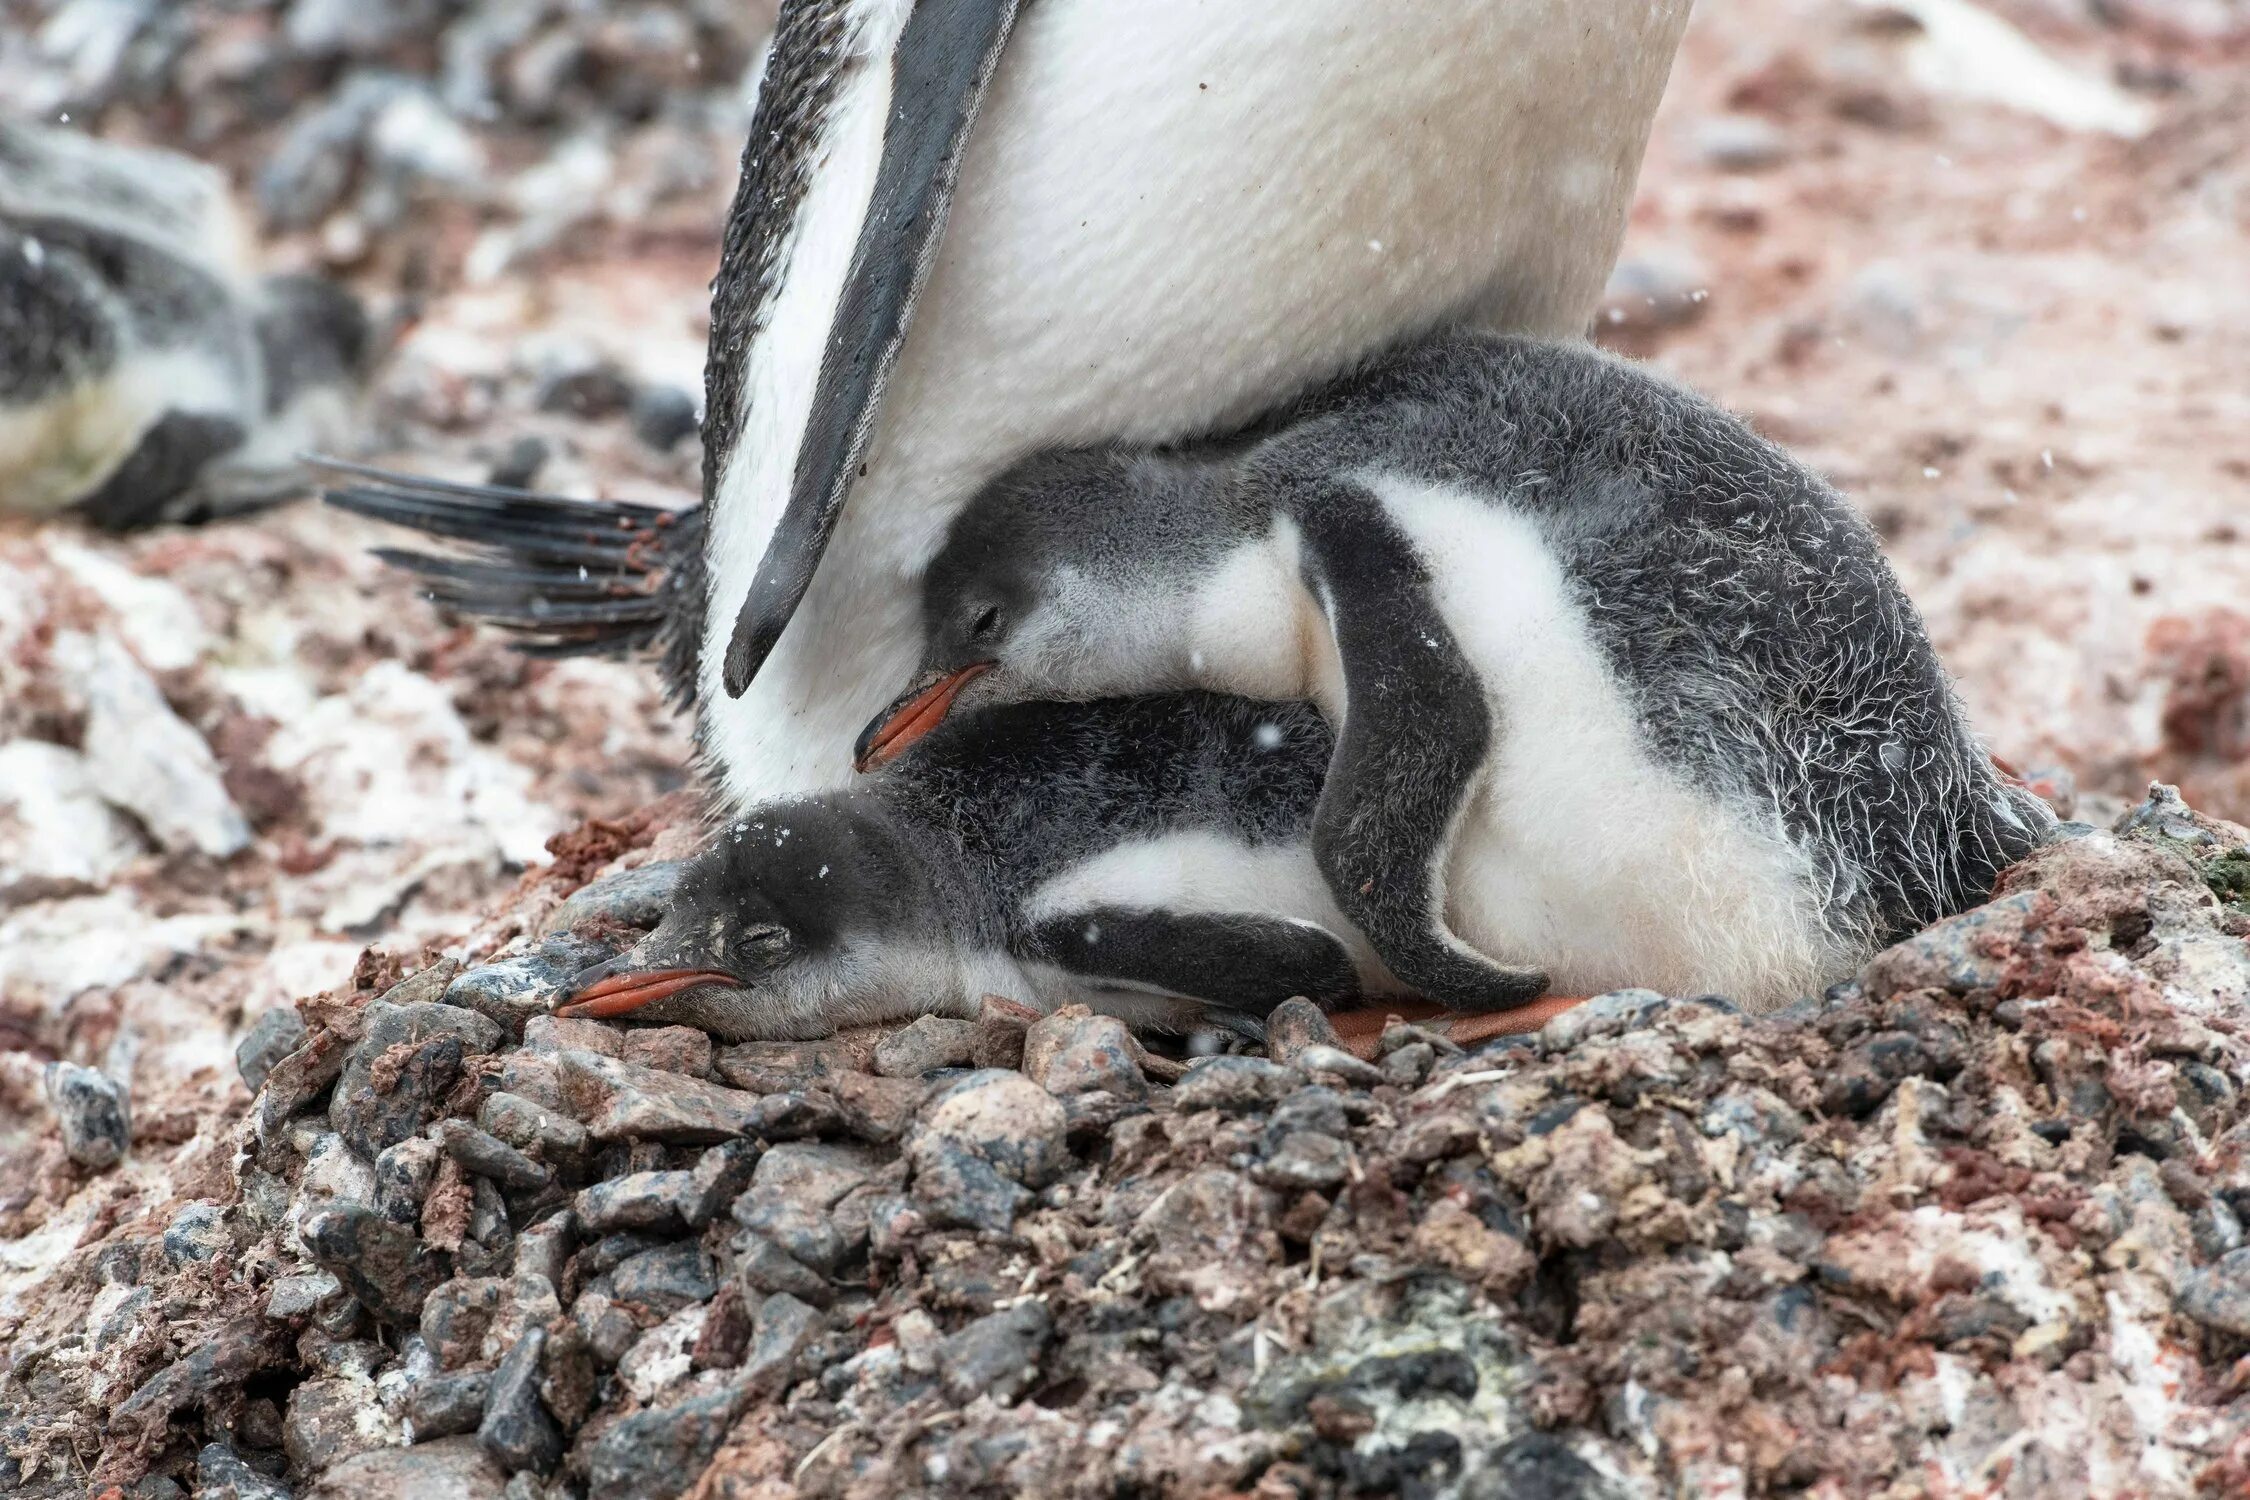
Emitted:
<point x="1622" y="695"/>
<point x="144" y="376"/>
<point x="1148" y="856"/>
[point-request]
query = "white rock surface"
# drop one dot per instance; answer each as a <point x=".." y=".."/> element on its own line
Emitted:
<point x="145" y="758"/>
<point x="54" y="825"/>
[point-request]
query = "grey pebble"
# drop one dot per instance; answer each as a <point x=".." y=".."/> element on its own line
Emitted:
<point x="95" y="1116"/>
<point x="196" y="1233"/>
<point x="514" y="990"/>
<point x="997" y="1355"/>
<point x="488" y="1156"/>
<point x="222" y="1474"/>
<point x="2218" y="1295"/>
<point x="639" y="1200"/>
<point x="1235" y="1084"/>
<point x="402" y="1179"/>
<point x="663" y="415"/>
<point x="517" y="1429"/>
<point x="530" y="1126"/>
<point x="385" y="1265"/>
<point x="924" y="1045"/>
<point x="272" y="1037"/>
<point x="439" y="1406"/>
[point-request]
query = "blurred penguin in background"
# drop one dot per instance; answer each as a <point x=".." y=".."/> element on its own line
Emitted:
<point x="147" y="374"/>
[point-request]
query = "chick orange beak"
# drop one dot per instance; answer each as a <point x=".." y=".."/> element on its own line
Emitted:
<point x="921" y="709"/>
<point x="622" y="994"/>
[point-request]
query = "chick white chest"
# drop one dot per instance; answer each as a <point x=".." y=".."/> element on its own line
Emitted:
<point x="1578" y="850"/>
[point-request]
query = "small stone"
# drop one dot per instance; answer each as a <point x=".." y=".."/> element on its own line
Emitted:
<point x="660" y="1201"/>
<point x="515" y="991"/>
<point x="1098" y="1113"/>
<point x="544" y="1249"/>
<point x="221" y="1474"/>
<point x="783" y="1067"/>
<point x="1097" y="1055"/>
<point x="555" y="1035"/>
<point x="532" y="1127"/>
<point x="1608" y="1015"/>
<point x="488" y="1156"/>
<point x="535" y="1076"/>
<point x="782" y="1330"/>
<point x="998" y="1044"/>
<point x="402" y="1179"/>
<point x="386" y="1266"/>
<point x="517" y="1429"/>
<point x="294" y="1297"/>
<point x="2218" y="1295"/>
<point x="1210" y="1239"/>
<point x="584" y="387"/>
<point x="458" y="1315"/>
<point x="1304" y="1162"/>
<point x="725" y="1340"/>
<point x="1409" y="1065"/>
<point x="197" y="1233"/>
<point x="766" y="1268"/>
<point x="629" y="898"/>
<point x="997" y="1355"/>
<point x="1405" y="1034"/>
<point x="297" y="1080"/>
<point x="1046" y="1037"/>
<point x="454" y="1468"/>
<point x="1295" y="1025"/>
<point x="1322" y="1061"/>
<point x="925" y="1045"/>
<point x="663" y="415"/>
<point x="608" y="1329"/>
<point x="791" y="1117"/>
<point x="518" y="466"/>
<point x="92" y="1109"/>
<point x="569" y="1377"/>
<point x="622" y="1101"/>
<point x="1652" y="293"/>
<point x="877" y="1109"/>
<point x="272" y="1037"/>
<point x="405" y="1062"/>
<point x="440" y="1406"/>
<point x="654" y="1455"/>
<point x="720" y="1176"/>
<point x="332" y="1418"/>
<point x="1237" y="1085"/>
<point x="1741" y="143"/>
<point x="981" y="1142"/>
<point x="670" y="1049"/>
<point x="665" y="1279"/>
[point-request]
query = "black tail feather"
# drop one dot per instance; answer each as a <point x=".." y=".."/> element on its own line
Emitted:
<point x="567" y="577"/>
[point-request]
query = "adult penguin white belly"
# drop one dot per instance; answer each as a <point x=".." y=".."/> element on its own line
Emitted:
<point x="1169" y="216"/>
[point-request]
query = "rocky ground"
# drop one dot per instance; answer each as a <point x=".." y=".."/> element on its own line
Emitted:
<point x="1971" y="1228"/>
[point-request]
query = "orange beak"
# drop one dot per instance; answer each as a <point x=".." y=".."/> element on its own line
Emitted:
<point x="922" y="708"/>
<point x="622" y="994"/>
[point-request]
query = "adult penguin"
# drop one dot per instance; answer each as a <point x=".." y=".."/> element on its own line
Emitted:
<point x="969" y="230"/>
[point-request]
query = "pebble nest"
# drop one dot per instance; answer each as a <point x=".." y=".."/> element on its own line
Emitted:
<point x="1972" y="1224"/>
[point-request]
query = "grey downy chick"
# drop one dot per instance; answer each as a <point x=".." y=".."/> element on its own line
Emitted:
<point x="1148" y="856"/>
<point x="146" y="374"/>
<point x="1622" y="694"/>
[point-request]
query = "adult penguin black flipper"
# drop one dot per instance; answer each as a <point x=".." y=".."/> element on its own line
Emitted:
<point x="941" y="67"/>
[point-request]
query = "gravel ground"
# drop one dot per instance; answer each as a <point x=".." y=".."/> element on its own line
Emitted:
<point x="1973" y="1228"/>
